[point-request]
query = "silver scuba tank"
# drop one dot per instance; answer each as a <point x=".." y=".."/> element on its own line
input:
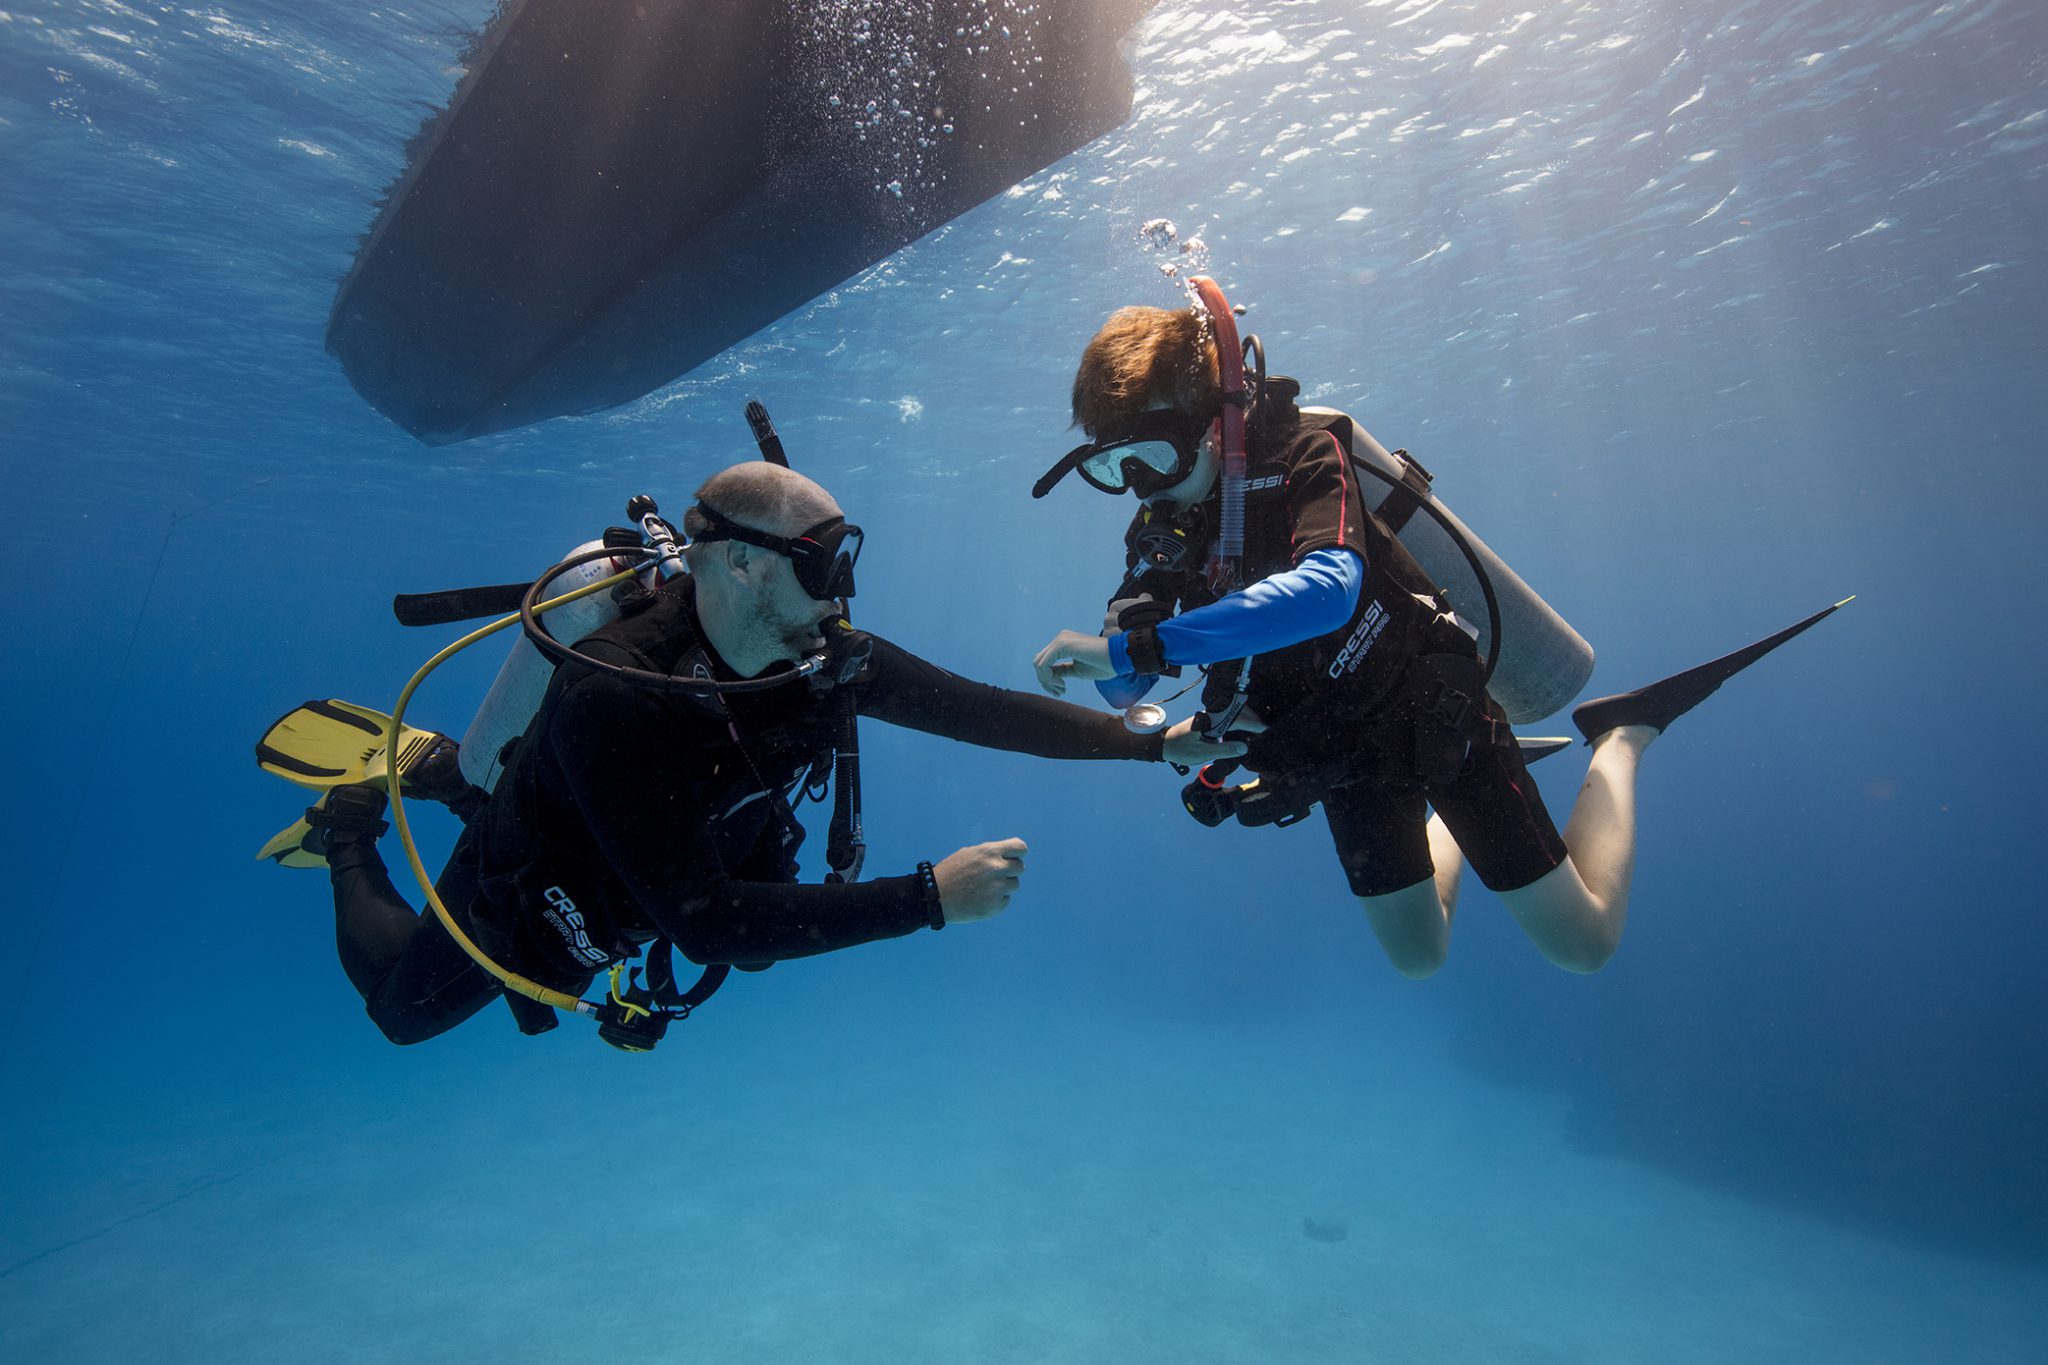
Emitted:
<point x="515" y="695"/>
<point x="1544" y="663"/>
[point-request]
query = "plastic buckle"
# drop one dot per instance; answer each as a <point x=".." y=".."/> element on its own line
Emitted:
<point x="1412" y="470"/>
<point x="1451" y="707"/>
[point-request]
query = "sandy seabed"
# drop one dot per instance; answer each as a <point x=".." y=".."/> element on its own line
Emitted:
<point x="908" y="1188"/>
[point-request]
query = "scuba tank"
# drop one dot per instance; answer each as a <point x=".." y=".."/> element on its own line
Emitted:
<point x="515" y="694"/>
<point x="1537" y="665"/>
<point x="1543" y="663"/>
<point x="635" y="1014"/>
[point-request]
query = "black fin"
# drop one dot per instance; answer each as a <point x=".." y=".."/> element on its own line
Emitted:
<point x="1666" y="700"/>
<point x="458" y="604"/>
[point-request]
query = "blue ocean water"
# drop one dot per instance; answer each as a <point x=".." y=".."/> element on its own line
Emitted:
<point x="1705" y="316"/>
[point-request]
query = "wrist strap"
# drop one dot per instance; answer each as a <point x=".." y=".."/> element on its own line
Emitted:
<point x="928" y="883"/>
<point x="1143" y="647"/>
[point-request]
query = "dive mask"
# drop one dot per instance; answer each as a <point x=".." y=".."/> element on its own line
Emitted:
<point x="822" y="556"/>
<point x="1150" y="453"/>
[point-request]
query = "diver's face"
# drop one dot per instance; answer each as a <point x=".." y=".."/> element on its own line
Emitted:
<point x="1200" y="480"/>
<point x="784" y="615"/>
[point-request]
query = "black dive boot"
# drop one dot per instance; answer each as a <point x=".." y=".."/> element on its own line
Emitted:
<point x="436" y="775"/>
<point x="350" y="813"/>
<point x="1663" y="702"/>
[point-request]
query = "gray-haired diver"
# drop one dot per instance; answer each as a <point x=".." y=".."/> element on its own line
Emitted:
<point x="1257" y="556"/>
<point x="648" y="802"/>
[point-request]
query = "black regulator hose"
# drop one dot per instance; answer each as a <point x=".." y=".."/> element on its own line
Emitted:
<point x="846" y="844"/>
<point x="530" y="621"/>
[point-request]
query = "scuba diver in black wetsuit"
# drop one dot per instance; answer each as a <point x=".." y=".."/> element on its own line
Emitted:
<point x="631" y="818"/>
<point x="1328" y="645"/>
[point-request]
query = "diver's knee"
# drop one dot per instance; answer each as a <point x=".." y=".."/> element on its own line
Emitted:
<point x="1411" y="928"/>
<point x="1417" y="965"/>
<point x="1586" y="956"/>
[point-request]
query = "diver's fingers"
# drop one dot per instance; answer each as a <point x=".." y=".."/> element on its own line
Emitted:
<point x="978" y="881"/>
<point x="1051" y="671"/>
<point x="1071" y="647"/>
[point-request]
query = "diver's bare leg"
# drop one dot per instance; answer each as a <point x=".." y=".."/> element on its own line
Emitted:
<point x="1413" y="924"/>
<point x="1575" y="913"/>
<point x="1450" y="866"/>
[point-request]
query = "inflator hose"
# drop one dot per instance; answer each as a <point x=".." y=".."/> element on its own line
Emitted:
<point x="510" y="980"/>
<point x="531" y="608"/>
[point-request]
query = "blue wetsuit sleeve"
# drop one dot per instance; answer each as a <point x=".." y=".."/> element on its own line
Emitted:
<point x="1313" y="598"/>
<point x="1128" y="687"/>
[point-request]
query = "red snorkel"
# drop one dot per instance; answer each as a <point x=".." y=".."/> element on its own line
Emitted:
<point x="1225" y="572"/>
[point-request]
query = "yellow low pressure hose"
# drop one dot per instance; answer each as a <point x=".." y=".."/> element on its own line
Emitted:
<point x="512" y="981"/>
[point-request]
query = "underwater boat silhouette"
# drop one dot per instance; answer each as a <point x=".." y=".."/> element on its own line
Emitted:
<point x="619" y="190"/>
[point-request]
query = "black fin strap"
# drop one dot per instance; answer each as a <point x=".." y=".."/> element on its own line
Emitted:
<point x="319" y="817"/>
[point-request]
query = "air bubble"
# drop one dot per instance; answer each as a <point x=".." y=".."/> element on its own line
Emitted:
<point x="1158" y="233"/>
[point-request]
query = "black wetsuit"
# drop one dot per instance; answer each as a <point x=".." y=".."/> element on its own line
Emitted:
<point x="628" y="815"/>
<point x="1350" y="713"/>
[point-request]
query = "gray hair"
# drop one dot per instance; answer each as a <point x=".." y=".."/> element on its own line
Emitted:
<point x="762" y="497"/>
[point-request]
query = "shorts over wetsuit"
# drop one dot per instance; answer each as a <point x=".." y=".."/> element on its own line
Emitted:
<point x="627" y="815"/>
<point x="1349" y="710"/>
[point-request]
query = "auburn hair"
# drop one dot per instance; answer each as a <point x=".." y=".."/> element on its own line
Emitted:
<point x="1142" y="355"/>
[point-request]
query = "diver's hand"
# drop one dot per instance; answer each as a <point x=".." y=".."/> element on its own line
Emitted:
<point x="978" y="881"/>
<point x="1185" y="746"/>
<point x="1072" y="655"/>
<point x="1248" y="722"/>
